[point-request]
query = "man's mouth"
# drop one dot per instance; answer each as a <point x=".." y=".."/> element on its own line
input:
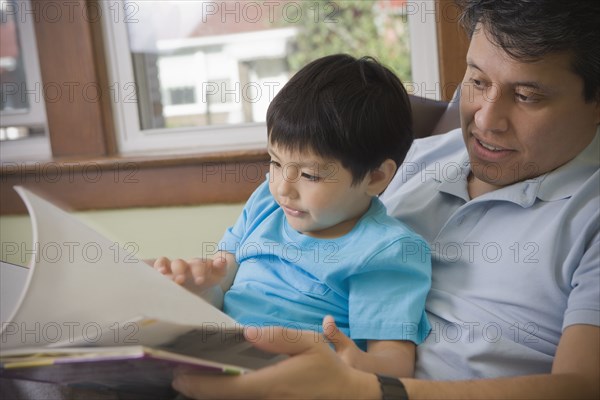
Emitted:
<point x="489" y="146"/>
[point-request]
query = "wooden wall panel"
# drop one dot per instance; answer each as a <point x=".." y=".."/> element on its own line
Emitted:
<point x="69" y="78"/>
<point x="452" y="47"/>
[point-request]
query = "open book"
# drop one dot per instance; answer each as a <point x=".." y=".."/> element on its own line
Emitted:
<point x="88" y="313"/>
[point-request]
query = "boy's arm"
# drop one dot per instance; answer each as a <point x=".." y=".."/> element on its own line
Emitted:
<point x="390" y="357"/>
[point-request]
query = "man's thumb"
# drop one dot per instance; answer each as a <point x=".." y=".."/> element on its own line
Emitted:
<point x="333" y="334"/>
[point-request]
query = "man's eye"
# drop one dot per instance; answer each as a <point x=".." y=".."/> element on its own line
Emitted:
<point x="521" y="97"/>
<point x="526" y="98"/>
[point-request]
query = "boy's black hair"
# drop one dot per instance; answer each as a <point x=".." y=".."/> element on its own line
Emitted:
<point x="527" y="30"/>
<point x="352" y="110"/>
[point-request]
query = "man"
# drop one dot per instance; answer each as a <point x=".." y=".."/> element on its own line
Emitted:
<point x="510" y="205"/>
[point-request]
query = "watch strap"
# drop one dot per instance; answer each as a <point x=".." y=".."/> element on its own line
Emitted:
<point x="391" y="388"/>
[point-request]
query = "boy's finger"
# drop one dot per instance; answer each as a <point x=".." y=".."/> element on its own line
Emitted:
<point x="219" y="266"/>
<point x="162" y="264"/>
<point x="201" y="269"/>
<point x="179" y="269"/>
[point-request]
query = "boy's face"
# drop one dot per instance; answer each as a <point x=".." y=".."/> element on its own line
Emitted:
<point x="521" y="120"/>
<point x="316" y="195"/>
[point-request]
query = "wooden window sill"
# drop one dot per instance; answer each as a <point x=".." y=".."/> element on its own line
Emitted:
<point x="141" y="181"/>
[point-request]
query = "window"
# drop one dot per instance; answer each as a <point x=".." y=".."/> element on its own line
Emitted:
<point x="80" y="124"/>
<point x="199" y="75"/>
<point x="22" y="110"/>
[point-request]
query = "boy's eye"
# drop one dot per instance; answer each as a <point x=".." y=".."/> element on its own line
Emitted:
<point x="477" y="83"/>
<point x="274" y="163"/>
<point x="311" y="178"/>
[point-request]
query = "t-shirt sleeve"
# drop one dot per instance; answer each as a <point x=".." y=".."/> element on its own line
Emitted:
<point x="387" y="298"/>
<point x="584" y="300"/>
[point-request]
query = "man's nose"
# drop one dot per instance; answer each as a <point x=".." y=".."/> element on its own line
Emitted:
<point x="492" y="115"/>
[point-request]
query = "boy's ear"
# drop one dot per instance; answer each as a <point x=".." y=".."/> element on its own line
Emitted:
<point x="380" y="178"/>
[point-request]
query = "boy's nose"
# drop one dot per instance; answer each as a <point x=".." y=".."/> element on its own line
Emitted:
<point x="285" y="188"/>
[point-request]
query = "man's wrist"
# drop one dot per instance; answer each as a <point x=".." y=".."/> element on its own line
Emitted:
<point x="391" y="388"/>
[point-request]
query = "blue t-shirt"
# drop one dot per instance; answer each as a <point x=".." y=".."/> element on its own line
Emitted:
<point x="373" y="280"/>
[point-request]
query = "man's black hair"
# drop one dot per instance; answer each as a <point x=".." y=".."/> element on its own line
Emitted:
<point x="352" y="110"/>
<point x="527" y="30"/>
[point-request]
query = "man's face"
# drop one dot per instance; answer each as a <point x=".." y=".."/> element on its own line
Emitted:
<point x="521" y="120"/>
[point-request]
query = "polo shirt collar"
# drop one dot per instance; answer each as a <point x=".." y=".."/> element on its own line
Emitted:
<point x="559" y="184"/>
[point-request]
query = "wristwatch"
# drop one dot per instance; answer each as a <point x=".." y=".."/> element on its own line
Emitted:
<point x="391" y="388"/>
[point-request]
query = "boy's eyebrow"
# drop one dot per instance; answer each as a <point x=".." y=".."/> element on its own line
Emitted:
<point x="529" y="84"/>
<point x="300" y="164"/>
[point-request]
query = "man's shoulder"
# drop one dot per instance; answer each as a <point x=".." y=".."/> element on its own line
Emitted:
<point x="437" y="147"/>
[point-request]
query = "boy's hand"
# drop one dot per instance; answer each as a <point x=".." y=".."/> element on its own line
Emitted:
<point x="196" y="274"/>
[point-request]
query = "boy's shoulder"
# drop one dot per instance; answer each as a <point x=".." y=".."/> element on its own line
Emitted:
<point x="379" y="222"/>
<point x="261" y="202"/>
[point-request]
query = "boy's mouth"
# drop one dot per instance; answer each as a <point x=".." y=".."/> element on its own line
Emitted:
<point x="292" y="211"/>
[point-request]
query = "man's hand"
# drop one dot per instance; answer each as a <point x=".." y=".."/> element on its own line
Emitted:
<point x="387" y="357"/>
<point x="345" y="347"/>
<point x="312" y="371"/>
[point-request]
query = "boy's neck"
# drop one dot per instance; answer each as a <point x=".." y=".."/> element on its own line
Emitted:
<point x="340" y="229"/>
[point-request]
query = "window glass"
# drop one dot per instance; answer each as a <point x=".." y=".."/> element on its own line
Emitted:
<point x="199" y="63"/>
<point x="22" y="110"/>
<point x="12" y="69"/>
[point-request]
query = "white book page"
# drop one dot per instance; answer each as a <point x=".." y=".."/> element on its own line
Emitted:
<point x="81" y="282"/>
<point x="13" y="279"/>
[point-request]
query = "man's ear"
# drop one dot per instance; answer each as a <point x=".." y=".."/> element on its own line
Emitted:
<point x="380" y="178"/>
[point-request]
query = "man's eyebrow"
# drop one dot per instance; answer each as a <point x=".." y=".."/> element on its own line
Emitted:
<point x="529" y="84"/>
<point x="533" y="85"/>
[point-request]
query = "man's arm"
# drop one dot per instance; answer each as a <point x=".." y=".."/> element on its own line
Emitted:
<point x="575" y="375"/>
<point x="314" y="371"/>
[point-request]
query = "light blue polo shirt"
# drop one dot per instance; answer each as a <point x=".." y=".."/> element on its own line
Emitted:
<point x="511" y="269"/>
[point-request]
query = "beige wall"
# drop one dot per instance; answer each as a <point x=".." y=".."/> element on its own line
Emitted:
<point x="172" y="231"/>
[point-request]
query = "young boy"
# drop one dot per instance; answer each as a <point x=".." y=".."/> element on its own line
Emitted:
<point x="315" y="241"/>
